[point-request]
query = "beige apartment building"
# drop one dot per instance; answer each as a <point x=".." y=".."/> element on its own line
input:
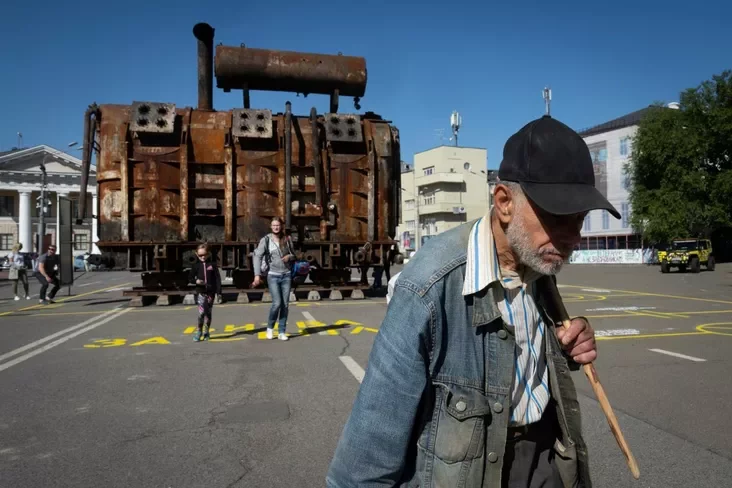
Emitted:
<point x="445" y="187"/>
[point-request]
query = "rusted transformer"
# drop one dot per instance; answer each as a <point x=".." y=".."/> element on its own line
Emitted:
<point x="171" y="177"/>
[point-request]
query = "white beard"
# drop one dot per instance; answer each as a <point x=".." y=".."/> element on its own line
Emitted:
<point x="520" y="243"/>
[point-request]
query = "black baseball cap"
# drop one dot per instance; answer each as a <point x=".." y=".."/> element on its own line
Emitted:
<point x="553" y="165"/>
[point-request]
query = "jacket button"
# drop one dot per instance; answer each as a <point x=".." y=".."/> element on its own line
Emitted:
<point x="502" y="334"/>
<point x="497" y="407"/>
<point x="460" y="406"/>
<point x="492" y="457"/>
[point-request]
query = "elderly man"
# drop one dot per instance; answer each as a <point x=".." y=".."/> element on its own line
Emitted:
<point x="468" y="382"/>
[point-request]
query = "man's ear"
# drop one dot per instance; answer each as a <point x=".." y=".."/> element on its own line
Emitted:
<point x="503" y="201"/>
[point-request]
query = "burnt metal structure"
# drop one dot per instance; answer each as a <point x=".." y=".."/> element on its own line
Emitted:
<point x="171" y="177"/>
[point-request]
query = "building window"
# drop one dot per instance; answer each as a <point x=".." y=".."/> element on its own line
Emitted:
<point x="605" y="220"/>
<point x="626" y="180"/>
<point x="81" y="242"/>
<point x="7" y="206"/>
<point x="624" y="146"/>
<point x="409" y="204"/>
<point x="6" y="241"/>
<point x="587" y="223"/>
<point x="429" y="199"/>
<point x="429" y="171"/>
<point x="410" y="224"/>
<point x="624" y="212"/>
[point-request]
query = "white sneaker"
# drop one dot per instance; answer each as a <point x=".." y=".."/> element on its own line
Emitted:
<point x="283" y="337"/>
<point x="270" y="334"/>
<point x="17" y="298"/>
<point x="28" y="297"/>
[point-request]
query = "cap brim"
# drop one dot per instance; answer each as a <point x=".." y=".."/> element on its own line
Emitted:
<point x="567" y="198"/>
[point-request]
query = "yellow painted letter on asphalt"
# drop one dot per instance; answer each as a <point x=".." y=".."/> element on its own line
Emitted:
<point x="152" y="340"/>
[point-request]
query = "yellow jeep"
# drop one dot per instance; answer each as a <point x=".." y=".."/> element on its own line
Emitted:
<point x="691" y="253"/>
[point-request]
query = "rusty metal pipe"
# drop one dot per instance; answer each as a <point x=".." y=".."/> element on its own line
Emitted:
<point x="89" y="139"/>
<point x="316" y="158"/>
<point x="205" y="35"/>
<point x="288" y="164"/>
<point x="289" y="71"/>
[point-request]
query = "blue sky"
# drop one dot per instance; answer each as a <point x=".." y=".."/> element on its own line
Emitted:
<point x="487" y="61"/>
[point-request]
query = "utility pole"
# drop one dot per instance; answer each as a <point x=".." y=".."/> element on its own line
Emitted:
<point x="42" y="208"/>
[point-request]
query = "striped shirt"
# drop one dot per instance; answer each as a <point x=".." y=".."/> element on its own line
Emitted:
<point x="514" y="294"/>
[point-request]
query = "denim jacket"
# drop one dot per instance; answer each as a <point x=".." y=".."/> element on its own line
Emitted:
<point x="433" y="407"/>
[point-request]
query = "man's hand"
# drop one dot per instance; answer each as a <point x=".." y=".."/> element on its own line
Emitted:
<point x="579" y="341"/>
<point x="199" y="282"/>
<point x="257" y="281"/>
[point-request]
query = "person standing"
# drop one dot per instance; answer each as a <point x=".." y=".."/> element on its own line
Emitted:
<point x="273" y="258"/>
<point x="468" y="381"/>
<point x="46" y="274"/>
<point x="208" y="284"/>
<point x="18" y="270"/>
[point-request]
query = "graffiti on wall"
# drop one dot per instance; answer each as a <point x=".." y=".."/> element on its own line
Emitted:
<point x="609" y="256"/>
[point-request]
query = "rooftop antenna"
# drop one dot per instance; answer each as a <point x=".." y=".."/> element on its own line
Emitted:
<point x="455" y="122"/>
<point x="20" y="140"/>
<point x="547" y="95"/>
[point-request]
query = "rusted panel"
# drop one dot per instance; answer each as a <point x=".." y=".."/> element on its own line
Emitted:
<point x="208" y="132"/>
<point x="183" y="176"/>
<point x="229" y="210"/>
<point x="383" y="146"/>
<point x="207" y="204"/>
<point x="272" y="70"/>
<point x="125" y="197"/>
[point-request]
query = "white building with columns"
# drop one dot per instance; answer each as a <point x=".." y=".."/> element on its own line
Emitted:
<point x="20" y="191"/>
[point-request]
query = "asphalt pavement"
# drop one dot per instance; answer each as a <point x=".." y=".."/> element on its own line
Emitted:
<point x="96" y="393"/>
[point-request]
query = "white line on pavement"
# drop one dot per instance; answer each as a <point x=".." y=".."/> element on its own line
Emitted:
<point x="309" y="316"/>
<point x="616" y="332"/>
<point x="106" y="316"/>
<point x="676" y="354"/>
<point x="88" y="284"/>
<point x="352" y="366"/>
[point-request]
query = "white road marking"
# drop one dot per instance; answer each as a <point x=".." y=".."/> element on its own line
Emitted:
<point x="676" y="354"/>
<point x="45" y="348"/>
<point x="53" y="336"/>
<point x="89" y="284"/>
<point x="618" y="309"/>
<point x="616" y="332"/>
<point x="595" y="290"/>
<point x="309" y="316"/>
<point x="352" y="366"/>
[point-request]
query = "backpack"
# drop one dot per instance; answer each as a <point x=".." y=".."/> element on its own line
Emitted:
<point x="300" y="271"/>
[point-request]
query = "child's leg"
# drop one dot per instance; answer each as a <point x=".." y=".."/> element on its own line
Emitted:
<point x="207" y="315"/>
<point x="201" y="300"/>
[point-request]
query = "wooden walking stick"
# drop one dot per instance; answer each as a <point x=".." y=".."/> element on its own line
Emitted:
<point x="591" y="374"/>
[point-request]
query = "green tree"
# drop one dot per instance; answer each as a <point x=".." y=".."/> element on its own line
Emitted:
<point x="681" y="166"/>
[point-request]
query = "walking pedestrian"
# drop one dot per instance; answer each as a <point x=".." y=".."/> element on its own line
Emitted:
<point x="18" y="270"/>
<point x="273" y="259"/>
<point x="205" y="275"/>
<point x="468" y="382"/>
<point x="47" y="273"/>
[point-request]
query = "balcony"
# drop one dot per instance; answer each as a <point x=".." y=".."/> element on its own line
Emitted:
<point x="442" y="202"/>
<point x="435" y="178"/>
